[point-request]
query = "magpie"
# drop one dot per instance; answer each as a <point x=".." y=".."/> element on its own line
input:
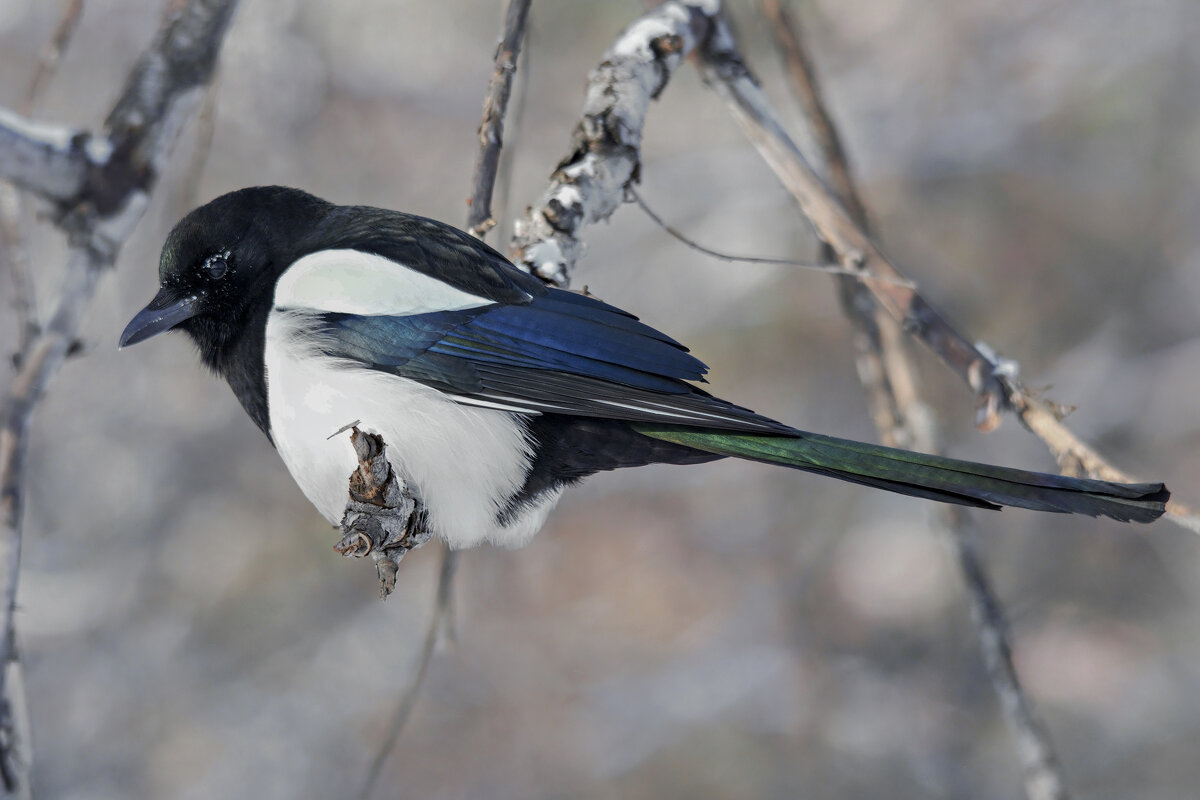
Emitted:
<point x="492" y="391"/>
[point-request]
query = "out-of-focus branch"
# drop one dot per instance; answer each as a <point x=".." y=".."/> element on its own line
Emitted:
<point x="728" y="75"/>
<point x="441" y="607"/>
<point x="491" y="129"/>
<point x="803" y="83"/>
<point x="50" y="160"/>
<point x="15" y="258"/>
<point x="48" y="59"/>
<point x="1039" y="763"/>
<point x="12" y="240"/>
<point x="882" y="361"/>
<point x="888" y="376"/>
<point x="158" y="96"/>
<point x="590" y="182"/>
<point x="206" y="128"/>
<point x="993" y="380"/>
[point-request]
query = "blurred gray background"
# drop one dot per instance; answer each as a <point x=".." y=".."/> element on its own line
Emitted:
<point x="728" y="630"/>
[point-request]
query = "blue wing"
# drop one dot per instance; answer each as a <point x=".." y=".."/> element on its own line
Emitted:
<point x="561" y="352"/>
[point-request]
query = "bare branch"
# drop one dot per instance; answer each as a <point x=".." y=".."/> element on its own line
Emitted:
<point x="992" y="379"/>
<point x="14" y="255"/>
<point x="881" y="357"/>
<point x="12" y="240"/>
<point x="1043" y="774"/>
<point x="491" y="129"/>
<point x="141" y="128"/>
<point x="894" y="388"/>
<point x="49" y="160"/>
<point x="68" y="23"/>
<point x="590" y="182"/>
<point x="728" y="75"/>
<point x="441" y="608"/>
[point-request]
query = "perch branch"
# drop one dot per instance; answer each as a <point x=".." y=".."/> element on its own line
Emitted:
<point x="893" y="387"/>
<point x="384" y="518"/>
<point x="994" y="380"/>
<point x="157" y="98"/>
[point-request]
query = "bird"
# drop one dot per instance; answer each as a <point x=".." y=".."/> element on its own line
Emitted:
<point x="492" y="391"/>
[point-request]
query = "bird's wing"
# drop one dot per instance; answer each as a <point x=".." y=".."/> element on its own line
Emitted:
<point x="561" y="353"/>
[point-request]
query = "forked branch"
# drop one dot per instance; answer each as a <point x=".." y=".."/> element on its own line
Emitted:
<point x="101" y="185"/>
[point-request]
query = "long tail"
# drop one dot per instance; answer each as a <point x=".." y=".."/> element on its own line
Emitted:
<point x="947" y="480"/>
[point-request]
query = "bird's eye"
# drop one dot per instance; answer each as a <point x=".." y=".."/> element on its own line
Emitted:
<point x="216" y="266"/>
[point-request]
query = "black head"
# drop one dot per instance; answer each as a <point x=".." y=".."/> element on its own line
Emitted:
<point x="220" y="264"/>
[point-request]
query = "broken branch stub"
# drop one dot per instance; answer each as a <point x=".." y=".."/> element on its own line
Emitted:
<point x="383" y="518"/>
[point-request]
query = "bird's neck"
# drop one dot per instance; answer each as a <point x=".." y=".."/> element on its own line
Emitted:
<point x="239" y="360"/>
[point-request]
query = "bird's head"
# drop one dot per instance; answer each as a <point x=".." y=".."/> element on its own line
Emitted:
<point x="220" y="264"/>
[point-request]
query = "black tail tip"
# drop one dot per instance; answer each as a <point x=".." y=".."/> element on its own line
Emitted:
<point x="1148" y="504"/>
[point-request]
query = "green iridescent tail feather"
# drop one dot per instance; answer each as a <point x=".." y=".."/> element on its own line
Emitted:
<point x="938" y="478"/>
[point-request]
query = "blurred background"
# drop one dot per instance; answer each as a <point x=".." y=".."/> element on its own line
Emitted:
<point x="724" y="631"/>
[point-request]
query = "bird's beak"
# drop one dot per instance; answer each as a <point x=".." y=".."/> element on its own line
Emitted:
<point x="164" y="312"/>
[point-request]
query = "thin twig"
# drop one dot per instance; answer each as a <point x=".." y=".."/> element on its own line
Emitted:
<point x="138" y="133"/>
<point x="518" y="102"/>
<point x="1043" y="775"/>
<point x="479" y="222"/>
<point x="829" y="269"/>
<point x="491" y="129"/>
<point x="52" y="52"/>
<point x="1041" y="767"/>
<point x="441" y="607"/>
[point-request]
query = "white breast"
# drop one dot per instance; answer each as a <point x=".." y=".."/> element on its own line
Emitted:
<point x="464" y="462"/>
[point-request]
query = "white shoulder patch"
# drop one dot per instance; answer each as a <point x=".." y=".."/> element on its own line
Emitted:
<point x="354" y="282"/>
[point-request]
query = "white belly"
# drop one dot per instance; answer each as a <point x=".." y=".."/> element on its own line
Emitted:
<point x="464" y="462"/>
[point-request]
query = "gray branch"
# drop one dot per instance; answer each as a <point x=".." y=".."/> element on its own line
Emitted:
<point x="590" y="182"/>
<point x="49" y="160"/>
<point x="157" y="98"/>
<point x="901" y="417"/>
<point x="994" y="380"/>
<point x="491" y="128"/>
